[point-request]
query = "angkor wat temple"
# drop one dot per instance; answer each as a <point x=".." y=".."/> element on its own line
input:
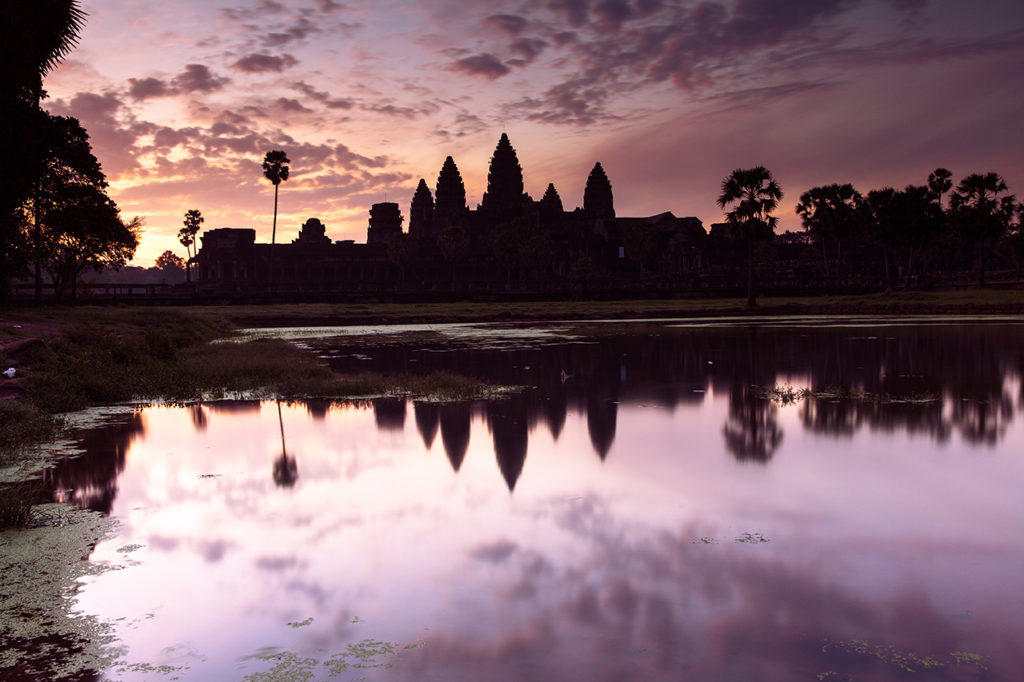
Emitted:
<point x="510" y="242"/>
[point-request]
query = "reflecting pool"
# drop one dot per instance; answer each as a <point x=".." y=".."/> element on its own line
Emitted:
<point x="659" y="501"/>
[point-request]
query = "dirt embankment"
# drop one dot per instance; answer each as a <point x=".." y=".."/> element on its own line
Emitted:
<point x="17" y="345"/>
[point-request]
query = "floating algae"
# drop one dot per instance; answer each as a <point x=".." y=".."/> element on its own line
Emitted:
<point x="357" y="658"/>
<point x="40" y="635"/>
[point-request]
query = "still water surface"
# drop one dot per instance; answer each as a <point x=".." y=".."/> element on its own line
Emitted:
<point x="641" y="510"/>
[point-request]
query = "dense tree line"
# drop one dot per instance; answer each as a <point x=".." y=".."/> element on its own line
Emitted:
<point x="915" y="228"/>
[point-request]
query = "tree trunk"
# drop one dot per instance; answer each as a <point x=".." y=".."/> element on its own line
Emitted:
<point x="273" y="230"/>
<point x="981" y="265"/>
<point x="910" y="264"/>
<point x="824" y="256"/>
<point x="36" y="255"/>
<point x="751" y="298"/>
<point x="273" y="237"/>
<point x="888" y="279"/>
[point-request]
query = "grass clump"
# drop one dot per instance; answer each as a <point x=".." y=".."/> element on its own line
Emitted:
<point x="21" y="425"/>
<point x="16" y="504"/>
<point x="446" y="387"/>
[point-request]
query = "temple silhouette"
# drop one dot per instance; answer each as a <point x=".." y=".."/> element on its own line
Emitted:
<point x="508" y="242"/>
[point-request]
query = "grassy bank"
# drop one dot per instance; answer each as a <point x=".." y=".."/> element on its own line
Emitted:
<point x="969" y="301"/>
<point x="95" y="356"/>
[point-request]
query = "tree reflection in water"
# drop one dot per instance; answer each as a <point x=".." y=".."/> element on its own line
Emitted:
<point x="752" y="433"/>
<point x="89" y="481"/>
<point x="286" y="467"/>
<point x="931" y="380"/>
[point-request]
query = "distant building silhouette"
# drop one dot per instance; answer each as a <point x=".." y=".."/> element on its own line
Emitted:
<point x="508" y="242"/>
<point x="313" y="234"/>
<point x="385" y="223"/>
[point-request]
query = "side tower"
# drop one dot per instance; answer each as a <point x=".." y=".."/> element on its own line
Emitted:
<point x="449" y="196"/>
<point x="385" y="223"/>
<point x="421" y="214"/>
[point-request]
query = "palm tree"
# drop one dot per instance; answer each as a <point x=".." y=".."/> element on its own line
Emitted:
<point x="940" y="181"/>
<point x="980" y="214"/>
<point x="755" y="194"/>
<point x="275" y="170"/>
<point x="41" y="34"/>
<point x="187" y="237"/>
<point x="830" y="211"/>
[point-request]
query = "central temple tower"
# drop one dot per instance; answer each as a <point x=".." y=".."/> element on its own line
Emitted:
<point x="504" y="196"/>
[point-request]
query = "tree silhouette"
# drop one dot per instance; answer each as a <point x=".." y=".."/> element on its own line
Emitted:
<point x="76" y="225"/>
<point x="36" y="37"/>
<point x="275" y="170"/>
<point x="752" y="431"/>
<point x="66" y="159"/>
<point x="920" y="220"/>
<point x="84" y="230"/>
<point x="980" y="215"/>
<point x="830" y="211"/>
<point x="187" y="237"/>
<point x="883" y="223"/>
<point x="940" y="181"/>
<point x="170" y="261"/>
<point x="755" y="194"/>
<point x="286" y="467"/>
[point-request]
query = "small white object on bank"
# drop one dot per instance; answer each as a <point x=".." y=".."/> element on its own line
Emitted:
<point x="9" y="372"/>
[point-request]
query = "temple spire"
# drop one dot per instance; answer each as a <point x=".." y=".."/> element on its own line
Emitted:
<point x="421" y="213"/>
<point x="504" y="195"/>
<point x="597" y="197"/>
<point x="449" y="195"/>
<point x="551" y="203"/>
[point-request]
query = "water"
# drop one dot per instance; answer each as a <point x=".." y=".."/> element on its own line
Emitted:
<point x="642" y="509"/>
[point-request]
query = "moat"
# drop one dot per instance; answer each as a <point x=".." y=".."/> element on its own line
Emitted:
<point x="655" y="500"/>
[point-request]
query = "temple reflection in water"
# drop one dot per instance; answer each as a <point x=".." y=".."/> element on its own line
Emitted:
<point x="644" y="507"/>
<point x="933" y="381"/>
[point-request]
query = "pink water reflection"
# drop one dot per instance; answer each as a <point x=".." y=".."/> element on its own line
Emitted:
<point x="533" y="548"/>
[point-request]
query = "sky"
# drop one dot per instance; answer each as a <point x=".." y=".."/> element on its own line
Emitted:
<point x="182" y="99"/>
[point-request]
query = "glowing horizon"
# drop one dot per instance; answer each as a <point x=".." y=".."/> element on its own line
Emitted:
<point x="182" y="100"/>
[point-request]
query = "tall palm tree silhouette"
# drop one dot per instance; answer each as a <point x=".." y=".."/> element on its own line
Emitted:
<point x="275" y="170"/>
<point x="187" y="237"/>
<point x="755" y="194"/>
<point x="940" y="181"/>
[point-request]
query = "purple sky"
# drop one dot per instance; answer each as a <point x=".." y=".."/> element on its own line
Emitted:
<point x="182" y="98"/>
